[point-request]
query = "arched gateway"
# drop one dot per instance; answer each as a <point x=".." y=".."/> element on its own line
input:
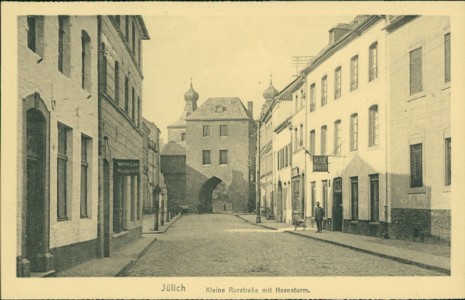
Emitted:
<point x="205" y="193"/>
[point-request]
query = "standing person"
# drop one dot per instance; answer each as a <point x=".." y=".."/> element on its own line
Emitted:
<point x="319" y="214"/>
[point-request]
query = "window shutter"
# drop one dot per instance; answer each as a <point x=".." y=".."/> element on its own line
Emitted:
<point x="416" y="71"/>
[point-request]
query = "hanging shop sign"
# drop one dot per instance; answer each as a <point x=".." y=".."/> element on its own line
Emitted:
<point x="320" y="163"/>
<point x="127" y="166"/>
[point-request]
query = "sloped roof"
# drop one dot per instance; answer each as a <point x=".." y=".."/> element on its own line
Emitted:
<point x="220" y="109"/>
<point x="173" y="149"/>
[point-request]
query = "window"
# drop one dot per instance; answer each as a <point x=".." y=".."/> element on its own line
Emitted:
<point x="447" y="57"/>
<point x="223" y="157"/>
<point x="354" y="73"/>
<point x="324" y="90"/>
<point x="117" y="20"/>
<point x="223" y="130"/>
<point x="373" y="62"/>
<point x="301" y="136"/>
<point x="133" y="39"/>
<point x="133" y="198"/>
<point x="126" y="23"/>
<point x="63" y="45"/>
<point x="138" y="111"/>
<point x="183" y="136"/>
<point x="297" y="102"/>
<point x="416" y="165"/>
<point x="35" y="34"/>
<point x="312" y="97"/>
<point x="374" y="197"/>
<point x="312" y="142"/>
<point x="373" y="126"/>
<point x="303" y="98"/>
<point x="313" y="196"/>
<point x="133" y="104"/>
<point x="126" y="94"/>
<point x="448" y="162"/>
<point x="220" y="108"/>
<point x="116" y="82"/>
<point x="206" y="157"/>
<point x="85" y="61"/>
<point x="206" y="130"/>
<point x="325" y="194"/>
<point x="337" y="83"/>
<point x="85" y="147"/>
<point x="354" y="198"/>
<point x="62" y="172"/>
<point x="416" y="84"/>
<point x="337" y="137"/>
<point x="103" y="70"/>
<point x="323" y="140"/>
<point x="353" y="132"/>
<point x="295" y="138"/>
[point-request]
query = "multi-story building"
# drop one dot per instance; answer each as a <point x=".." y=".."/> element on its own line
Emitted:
<point x="265" y="124"/>
<point x="220" y="156"/>
<point x="120" y="129"/>
<point x="419" y="126"/>
<point x="282" y="111"/>
<point x="151" y="180"/>
<point x="346" y="83"/>
<point x="57" y="142"/>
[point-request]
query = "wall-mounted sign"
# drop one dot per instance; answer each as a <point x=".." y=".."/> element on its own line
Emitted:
<point x="320" y="163"/>
<point x="126" y="166"/>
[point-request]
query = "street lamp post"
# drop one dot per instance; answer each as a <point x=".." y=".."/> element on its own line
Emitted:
<point x="257" y="178"/>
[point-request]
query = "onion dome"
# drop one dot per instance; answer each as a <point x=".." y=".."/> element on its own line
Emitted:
<point x="270" y="92"/>
<point x="191" y="95"/>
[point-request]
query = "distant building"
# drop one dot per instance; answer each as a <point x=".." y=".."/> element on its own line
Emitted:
<point x="220" y="156"/>
<point x="121" y="132"/>
<point x="151" y="169"/>
<point x="57" y="142"/>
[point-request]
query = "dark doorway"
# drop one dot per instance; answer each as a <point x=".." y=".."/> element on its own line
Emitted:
<point x="35" y="187"/>
<point x="106" y="204"/>
<point x="205" y="194"/>
<point x="279" y="202"/>
<point x="374" y="197"/>
<point x="337" y="204"/>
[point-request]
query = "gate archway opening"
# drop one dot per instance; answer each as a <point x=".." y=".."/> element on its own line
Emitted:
<point x="206" y="194"/>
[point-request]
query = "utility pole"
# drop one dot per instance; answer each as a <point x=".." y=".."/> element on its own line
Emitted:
<point x="299" y="62"/>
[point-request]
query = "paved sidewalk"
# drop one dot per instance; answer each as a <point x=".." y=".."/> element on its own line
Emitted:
<point x="121" y="259"/>
<point x="430" y="256"/>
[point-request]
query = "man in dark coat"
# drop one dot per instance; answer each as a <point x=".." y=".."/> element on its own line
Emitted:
<point x="319" y="214"/>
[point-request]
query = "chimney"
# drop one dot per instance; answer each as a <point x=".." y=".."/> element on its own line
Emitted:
<point x="338" y="31"/>
<point x="250" y="108"/>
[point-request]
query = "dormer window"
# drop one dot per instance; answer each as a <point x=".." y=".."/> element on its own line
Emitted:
<point x="220" y="108"/>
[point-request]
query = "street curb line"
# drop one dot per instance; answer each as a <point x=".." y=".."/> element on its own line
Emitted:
<point x="398" y="259"/>
<point x="261" y="225"/>
<point x="133" y="261"/>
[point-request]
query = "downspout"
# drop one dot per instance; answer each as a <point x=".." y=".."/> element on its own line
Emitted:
<point x="304" y="179"/>
<point x="387" y="92"/>
<point x="101" y="204"/>
<point x="257" y="178"/>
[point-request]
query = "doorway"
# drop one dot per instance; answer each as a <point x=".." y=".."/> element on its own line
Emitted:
<point x="106" y="205"/>
<point x="337" y="204"/>
<point x="279" y="202"/>
<point x="35" y="187"/>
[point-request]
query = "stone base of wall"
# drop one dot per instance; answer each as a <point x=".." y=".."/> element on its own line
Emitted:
<point x="420" y="224"/>
<point x="125" y="238"/>
<point x="70" y="255"/>
<point x="364" y="227"/>
<point x="407" y="223"/>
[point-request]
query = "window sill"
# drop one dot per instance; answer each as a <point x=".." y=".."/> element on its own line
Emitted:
<point x="223" y="165"/>
<point x="205" y="165"/>
<point x="415" y="96"/>
<point x="63" y="219"/>
<point x="447" y="189"/>
<point x="120" y="234"/>
<point x="373" y="223"/>
<point x="417" y="190"/>
<point x="374" y="147"/>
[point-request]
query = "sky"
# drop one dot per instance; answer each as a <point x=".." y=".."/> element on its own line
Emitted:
<point x="225" y="55"/>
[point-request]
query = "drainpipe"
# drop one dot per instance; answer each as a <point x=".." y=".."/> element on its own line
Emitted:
<point x="101" y="204"/>
<point x="386" y="147"/>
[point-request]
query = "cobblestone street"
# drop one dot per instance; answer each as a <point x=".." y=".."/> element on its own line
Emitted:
<point x="224" y="245"/>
